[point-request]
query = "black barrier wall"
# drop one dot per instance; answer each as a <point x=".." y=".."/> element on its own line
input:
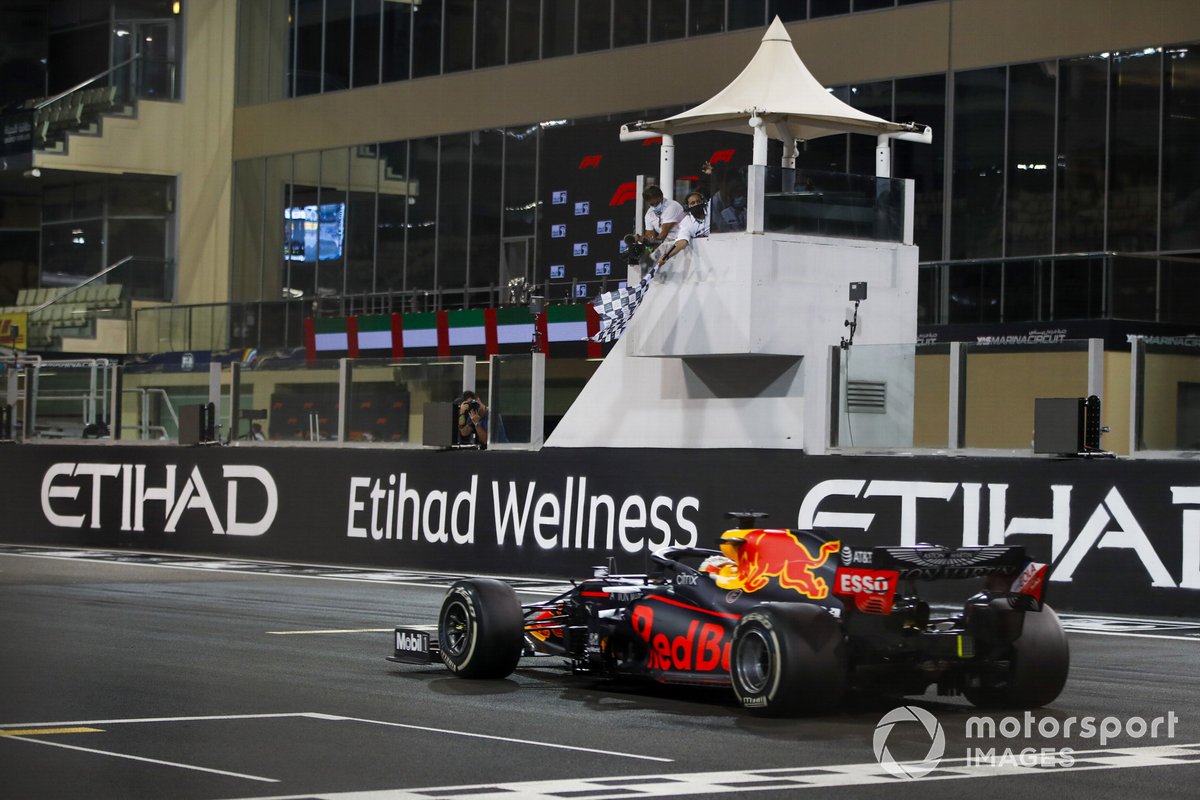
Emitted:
<point x="1123" y="536"/>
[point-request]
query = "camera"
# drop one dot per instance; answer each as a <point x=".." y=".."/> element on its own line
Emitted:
<point x="634" y="250"/>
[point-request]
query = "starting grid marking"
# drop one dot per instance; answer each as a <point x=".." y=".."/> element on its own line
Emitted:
<point x="437" y="580"/>
<point x="31" y="732"/>
<point x="758" y="780"/>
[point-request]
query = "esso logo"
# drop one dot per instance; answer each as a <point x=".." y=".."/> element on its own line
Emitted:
<point x="857" y="583"/>
<point x="866" y="581"/>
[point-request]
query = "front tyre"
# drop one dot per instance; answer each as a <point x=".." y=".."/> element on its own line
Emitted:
<point x="788" y="659"/>
<point x="1040" y="663"/>
<point x="481" y="629"/>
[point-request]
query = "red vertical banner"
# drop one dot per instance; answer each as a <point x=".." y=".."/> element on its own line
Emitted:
<point x="397" y="335"/>
<point x="443" y="330"/>
<point x="352" y="337"/>
<point x="542" y="333"/>
<point x="310" y="339"/>
<point x="489" y="332"/>
<point x="594" y="350"/>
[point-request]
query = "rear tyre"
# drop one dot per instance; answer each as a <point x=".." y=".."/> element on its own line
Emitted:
<point x="788" y="659"/>
<point x="481" y="629"/>
<point x="1040" y="663"/>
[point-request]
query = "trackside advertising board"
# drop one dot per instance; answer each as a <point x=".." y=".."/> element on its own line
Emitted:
<point x="1122" y="536"/>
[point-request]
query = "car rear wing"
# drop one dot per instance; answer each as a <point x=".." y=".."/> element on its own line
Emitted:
<point x="931" y="562"/>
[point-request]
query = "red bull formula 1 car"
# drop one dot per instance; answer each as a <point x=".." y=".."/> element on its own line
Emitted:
<point x="791" y="619"/>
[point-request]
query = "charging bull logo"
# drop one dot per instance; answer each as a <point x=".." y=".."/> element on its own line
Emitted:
<point x="764" y="554"/>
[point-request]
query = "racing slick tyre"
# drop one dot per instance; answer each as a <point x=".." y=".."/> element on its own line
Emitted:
<point x="1040" y="662"/>
<point x="788" y="659"/>
<point x="481" y="629"/>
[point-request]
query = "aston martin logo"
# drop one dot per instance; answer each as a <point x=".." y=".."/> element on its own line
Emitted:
<point x="938" y="557"/>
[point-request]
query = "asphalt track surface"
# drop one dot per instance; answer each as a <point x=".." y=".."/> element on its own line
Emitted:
<point x="187" y="678"/>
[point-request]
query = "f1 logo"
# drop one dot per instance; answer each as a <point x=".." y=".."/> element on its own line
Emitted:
<point x="592" y="161"/>
<point x="624" y="193"/>
<point x="721" y="155"/>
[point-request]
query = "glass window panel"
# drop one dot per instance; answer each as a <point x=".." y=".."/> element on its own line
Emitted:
<point x="1133" y="151"/>
<point x="631" y="19"/>
<point x="827" y="8"/>
<point x="422" y="214"/>
<point x="71" y="251"/>
<point x="490" y="25"/>
<point x="337" y="45"/>
<point x="89" y="198"/>
<point x="1180" y="288"/>
<point x="520" y="171"/>
<point x="427" y="39"/>
<point x="786" y="10"/>
<point x="487" y="153"/>
<point x="978" y="186"/>
<point x="306" y="43"/>
<point x="453" y="212"/>
<point x="558" y="28"/>
<point x="923" y="100"/>
<point x="1030" y="201"/>
<point x="753" y="13"/>
<point x="1074" y="288"/>
<point x="1180" y="156"/>
<point x="134" y="196"/>
<point x="872" y="5"/>
<point x="395" y="192"/>
<point x="277" y="199"/>
<point x="595" y="25"/>
<point x="331" y="223"/>
<point x="1134" y="288"/>
<point x="301" y="225"/>
<point x="974" y="293"/>
<point x="1079" y="220"/>
<point x="460" y="37"/>
<point x="708" y="16"/>
<point x="1020" y="291"/>
<point x="367" y="28"/>
<point x="524" y="30"/>
<point x="873" y="98"/>
<point x="667" y="19"/>
<point x="397" y="41"/>
<point x="360" y="225"/>
<point x="58" y="203"/>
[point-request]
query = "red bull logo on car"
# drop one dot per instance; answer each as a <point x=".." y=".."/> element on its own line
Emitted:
<point x="762" y="554"/>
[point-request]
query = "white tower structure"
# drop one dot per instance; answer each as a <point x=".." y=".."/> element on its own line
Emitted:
<point x="734" y="344"/>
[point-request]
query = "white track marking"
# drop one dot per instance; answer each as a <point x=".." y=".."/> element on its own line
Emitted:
<point x="761" y="780"/>
<point x="336" y="718"/>
<point x="345" y="630"/>
<point x="135" y="720"/>
<point x="507" y="739"/>
<point x="141" y="758"/>
<point x="1193" y="639"/>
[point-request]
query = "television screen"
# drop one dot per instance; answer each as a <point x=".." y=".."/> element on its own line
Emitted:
<point x="314" y="233"/>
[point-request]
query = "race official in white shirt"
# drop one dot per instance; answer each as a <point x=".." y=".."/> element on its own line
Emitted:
<point x="694" y="226"/>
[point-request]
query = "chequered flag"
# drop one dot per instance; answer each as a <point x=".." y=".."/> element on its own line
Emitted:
<point x="616" y="308"/>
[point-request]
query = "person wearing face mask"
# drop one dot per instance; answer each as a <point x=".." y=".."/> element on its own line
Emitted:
<point x="694" y="226"/>
<point x="662" y="218"/>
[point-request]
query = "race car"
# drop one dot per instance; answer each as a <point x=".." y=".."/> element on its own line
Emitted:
<point x="792" y="620"/>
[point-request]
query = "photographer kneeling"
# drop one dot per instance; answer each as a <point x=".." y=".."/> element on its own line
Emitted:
<point x="472" y="420"/>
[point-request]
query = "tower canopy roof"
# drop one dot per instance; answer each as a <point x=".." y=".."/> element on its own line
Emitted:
<point x="777" y="88"/>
